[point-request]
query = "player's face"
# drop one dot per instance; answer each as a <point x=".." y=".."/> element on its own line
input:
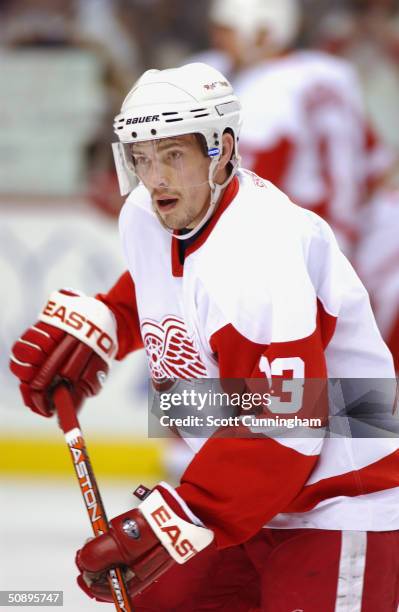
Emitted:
<point x="230" y="42"/>
<point x="175" y="172"/>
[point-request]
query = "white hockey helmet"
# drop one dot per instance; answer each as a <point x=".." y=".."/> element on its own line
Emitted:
<point x="192" y="99"/>
<point x="281" y="18"/>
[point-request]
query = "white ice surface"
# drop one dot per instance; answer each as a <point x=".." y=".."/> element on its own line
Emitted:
<point x="42" y="525"/>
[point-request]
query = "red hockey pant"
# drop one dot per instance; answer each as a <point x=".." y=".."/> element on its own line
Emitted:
<point x="294" y="570"/>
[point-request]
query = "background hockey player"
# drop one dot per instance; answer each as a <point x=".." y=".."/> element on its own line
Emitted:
<point x="228" y="278"/>
<point x="305" y="127"/>
<point x="377" y="260"/>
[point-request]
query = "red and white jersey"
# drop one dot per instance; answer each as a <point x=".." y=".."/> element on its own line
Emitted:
<point x="377" y="262"/>
<point x="265" y="282"/>
<point x="305" y="130"/>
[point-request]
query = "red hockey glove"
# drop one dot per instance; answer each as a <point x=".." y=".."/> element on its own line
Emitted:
<point x="74" y="340"/>
<point x="147" y="541"/>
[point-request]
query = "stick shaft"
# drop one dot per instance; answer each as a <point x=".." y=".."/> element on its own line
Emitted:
<point x="88" y="485"/>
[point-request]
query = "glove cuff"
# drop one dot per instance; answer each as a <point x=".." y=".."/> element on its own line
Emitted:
<point x="177" y="503"/>
<point x="181" y="538"/>
<point x="85" y="318"/>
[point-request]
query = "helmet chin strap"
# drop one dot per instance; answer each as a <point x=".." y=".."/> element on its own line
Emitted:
<point x="216" y="191"/>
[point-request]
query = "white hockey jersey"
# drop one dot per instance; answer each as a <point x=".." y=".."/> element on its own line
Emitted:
<point x="265" y="280"/>
<point x="377" y="261"/>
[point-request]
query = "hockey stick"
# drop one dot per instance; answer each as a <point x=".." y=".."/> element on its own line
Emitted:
<point x="69" y="424"/>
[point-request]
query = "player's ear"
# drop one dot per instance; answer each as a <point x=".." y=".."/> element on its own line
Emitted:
<point x="227" y="151"/>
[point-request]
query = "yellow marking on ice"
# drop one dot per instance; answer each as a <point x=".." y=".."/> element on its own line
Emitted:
<point x="119" y="458"/>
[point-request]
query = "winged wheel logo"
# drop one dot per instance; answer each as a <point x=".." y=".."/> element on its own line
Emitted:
<point x="170" y="350"/>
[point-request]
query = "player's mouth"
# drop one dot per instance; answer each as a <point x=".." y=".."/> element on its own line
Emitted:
<point x="166" y="203"/>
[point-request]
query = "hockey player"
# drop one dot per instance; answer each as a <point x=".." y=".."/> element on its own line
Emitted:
<point x="377" y="261"/>
<point x="227" y="278"/>
<point x="305" y="127"/>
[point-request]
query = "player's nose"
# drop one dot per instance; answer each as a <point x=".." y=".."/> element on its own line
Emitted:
<point x="159" y="177"/>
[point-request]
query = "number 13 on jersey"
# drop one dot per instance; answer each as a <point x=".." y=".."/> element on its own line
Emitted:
<point x="293" y="386"/>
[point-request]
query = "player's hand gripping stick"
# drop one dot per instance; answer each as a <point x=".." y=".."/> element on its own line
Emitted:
<point x="70" y="426"/>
